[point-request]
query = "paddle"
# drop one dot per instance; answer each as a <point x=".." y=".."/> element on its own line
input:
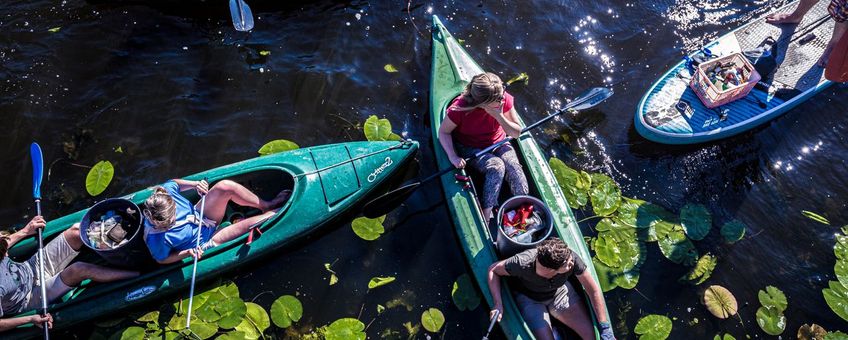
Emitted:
<point x="492" y="324"/>
<point x="242" y="16"/>
<point x="194" y="268"/>
<point x="37" y="172"/>
<point x="387" y="202"/>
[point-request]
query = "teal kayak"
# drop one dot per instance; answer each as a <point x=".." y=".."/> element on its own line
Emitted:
<point x="326" y="181"/>
<point x="452" y="69"/>
<point x="671" y="113"/>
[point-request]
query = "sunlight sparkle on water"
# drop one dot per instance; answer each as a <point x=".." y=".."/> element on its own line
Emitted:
<point x="429" y="9"/>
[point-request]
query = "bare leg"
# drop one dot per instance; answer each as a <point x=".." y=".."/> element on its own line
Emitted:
<point x="239" y="228"/>
<point x="838" y="31"/>
<point x="79" y="271"/>
<point x="72" y="235"/>
<point x="792" y="18"/>
<point x="224" y="191"/>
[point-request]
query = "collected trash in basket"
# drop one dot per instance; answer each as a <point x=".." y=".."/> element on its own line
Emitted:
<point x="107" y="233"/>
<point x="523" y="223"/>
<point x="724" y="79"/>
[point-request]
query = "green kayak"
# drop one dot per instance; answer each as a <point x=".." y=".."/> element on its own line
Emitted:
<point x="325" y="181"/>
<point x="452" y="69"/>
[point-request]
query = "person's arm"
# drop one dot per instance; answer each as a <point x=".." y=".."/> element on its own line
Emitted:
<point x="179" y="255"/>
<point x="201" y="186"/>
<point x="446" y="140"/>
<point x="509" y="122"/>
<point x="496" y="271"/>
<point x="10" y="323"/>
<point x="596" y="297"/>
<point x="30" y="229"/>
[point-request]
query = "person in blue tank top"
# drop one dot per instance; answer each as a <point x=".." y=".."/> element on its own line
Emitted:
<point x="172" y="223"/>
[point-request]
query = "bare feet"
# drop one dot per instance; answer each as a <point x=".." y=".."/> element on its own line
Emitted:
<point x="281" y="198"/>
<point x="783" y="18"/>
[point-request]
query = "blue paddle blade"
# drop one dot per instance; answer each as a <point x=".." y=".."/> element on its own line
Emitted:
<point x="37" y="169"/>
<point x="242" y="16"/>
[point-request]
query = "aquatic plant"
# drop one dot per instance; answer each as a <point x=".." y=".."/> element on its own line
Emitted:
<point x="815" y="217"/>
<point x="390" y="68"/>
<point x="811" y="332"/>
<point x="701" y="271"/>
<point x="653" y="327"/>
<point x="344" y="329"/>
<point x="99" y="177"/>
<point x="277" y="146"/>
<point x="368" y="229"/>
<point x="432" y="319"/>
<point x="380" y="281"/>
<point x="836" y="295"/>
<point x="770" y="315"/>
<point x="286" y="310"/>
<point x="463" y="294"/>
<point x="720" y="302"/>
<point x="696" y="221"/>
<point x="836" y="336"/>
<point x="378" y="129"/>
<point x="724" y="337"/>
<point x="333" y="278"/>
<point x="733" y="231"/>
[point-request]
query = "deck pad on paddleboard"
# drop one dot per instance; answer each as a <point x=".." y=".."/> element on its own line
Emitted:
<point x="671" y="112"/>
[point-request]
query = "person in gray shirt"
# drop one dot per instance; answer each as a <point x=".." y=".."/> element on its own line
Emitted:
<point x="540" y="279"/>
<point x="18" y="280"/>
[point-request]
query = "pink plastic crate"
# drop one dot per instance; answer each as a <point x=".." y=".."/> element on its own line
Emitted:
<point x="712" y="96"/>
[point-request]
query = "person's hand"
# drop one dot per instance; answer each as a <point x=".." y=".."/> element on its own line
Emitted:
<point x="39" y="320"/>
<point x="33" y="225"/>
<point x="458" y="162"/>
<point x="606" y="331"/>
<point x="196" y="252"/>
<point x="499" y="310"/>
<point x="202" y="187"/>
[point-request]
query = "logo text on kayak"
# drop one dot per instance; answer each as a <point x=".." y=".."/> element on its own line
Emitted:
<point x="139" y="293"/>
<point x="373" y="176"/>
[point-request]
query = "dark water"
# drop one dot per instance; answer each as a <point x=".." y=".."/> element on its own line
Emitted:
<point x="180" y="91"/>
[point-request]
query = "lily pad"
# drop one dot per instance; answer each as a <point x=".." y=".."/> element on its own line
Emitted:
<point x="464" y="295"/>
<point x="720" y="302"/>
<point x="677" y="248"/>
<point x="277" y="146"/>
<point x="628" y="212"/>
<point x="432" y="320"/>
<point x="368" y="229"/>
<point x="836" y="296"/>
<point x="815" y="217"/>
<point x="380" y="281"/>
<point x="836" y="336"/>
<point x="200" y="328"/>
<point x="724" y="337"/>
<point x="696" y="221"/>
<point x="345" y="329"/>
<point x="653" y="327"/>
<point x="231" y="311"/>
<point x="149" y="317"/>
<point x="811" y="332"/>
<point x="568" y="178"/>
<point x="611" y="278"/>
<point x="733" y="231"/>
<point x="286" y="310"/>
<point x="773" y="298"/>
<point x="378" y="129"/>
<point x="619" y="251"/>
<point x="99" y="177"/>
<point x="605" y="195"/>
<point x="131" y="333"/>
<point x="648" y="214"/>
<point x="702" y="271"/>
<point x="234" y="335"/>
<point x="772" y="321"/>
<point x="255" y="321"/>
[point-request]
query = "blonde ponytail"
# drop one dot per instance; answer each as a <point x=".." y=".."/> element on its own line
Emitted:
<point x="160" y="208"/>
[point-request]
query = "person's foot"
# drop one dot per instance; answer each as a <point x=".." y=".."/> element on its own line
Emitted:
<point x="822" y="62"/>
<point x="783" y="19"/>
<point x="281" y="198"/>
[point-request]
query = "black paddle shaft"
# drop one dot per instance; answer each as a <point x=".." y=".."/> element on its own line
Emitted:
<point x="385" y="203"/>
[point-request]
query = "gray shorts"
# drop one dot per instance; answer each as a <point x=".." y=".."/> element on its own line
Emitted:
<point x="537" y="313"/>
<point x="58" y="255"/>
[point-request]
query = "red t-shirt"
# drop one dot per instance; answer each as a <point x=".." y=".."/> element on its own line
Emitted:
<point x="476" y="128"/>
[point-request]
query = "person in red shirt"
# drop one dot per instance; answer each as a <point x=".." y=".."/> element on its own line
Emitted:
<point x="481" y="116"/>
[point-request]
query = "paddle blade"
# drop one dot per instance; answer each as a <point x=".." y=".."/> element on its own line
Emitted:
<point x="242" y="15"/>
<point x="37" y="169"/>
<point x="389" y="201"/>
<point x="590" y="98"/>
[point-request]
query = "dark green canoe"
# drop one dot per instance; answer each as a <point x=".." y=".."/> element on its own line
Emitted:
<point x="325" y="180"/>
<point x="452" y="69"/>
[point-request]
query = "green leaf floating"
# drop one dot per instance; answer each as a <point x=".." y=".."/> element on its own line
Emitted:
<point x="815" y="217"/>
<point x="696" y="221"/>
<point x="463" y="293"/>
<point x="674" y="244"/>
<point x="149" y="317"/>
<point x="132" y="333"/>
<point x="575" y="185"/>
<point x="345" y="329"/>
<point x="811" y="332"/>
<point x="773" y="298"/>
<point x="255" y="321"/>
<point x="653" y="327"/>
<point x="611" y="278"/>
<point x="286" y="310"/>
<point x="605" y="195"/>
<point x="99" y="177"/>
<point x="520" y="77"/>
<point x="724" y="337"/>
<point x="720" y="302"/>
<point x="390" y="68"/>
<point x="432" y="320"/>
<point x="733" y="231"/>
<point x="380" y="281"/>
<point x="277" y="146"/>
<point x="230" y="310"/>
<point x="836" y="336"/>
<point x="702" y="271"/>
<point x="836" y="296"/>
<point x="772" y="321"/>
<point x="368" y="229"/>
<point x="378" y="129"/>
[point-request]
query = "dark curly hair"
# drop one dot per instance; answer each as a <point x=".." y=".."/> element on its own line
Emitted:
<point x="553" y="253"/>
